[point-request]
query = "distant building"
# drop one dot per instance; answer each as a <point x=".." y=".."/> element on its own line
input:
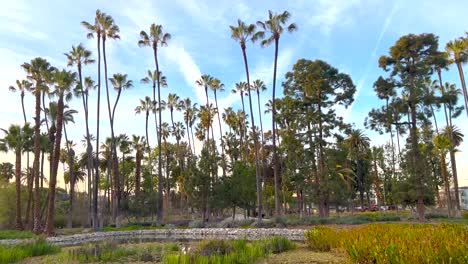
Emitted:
<point x="463" y="193"/>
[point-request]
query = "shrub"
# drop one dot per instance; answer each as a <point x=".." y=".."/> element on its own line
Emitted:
<point x="196" y="224"/>
<point x="12" y="254"/>
<point x="172" y="247"/>
<point x="465" y="215"/>
<point x="278" y="244"/>
<point x="322" y="238"/>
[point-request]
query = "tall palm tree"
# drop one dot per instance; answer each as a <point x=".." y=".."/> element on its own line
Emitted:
<point x="216" y="86"/>
<point x="120" y="82"/>
<point x="275" y="27"/>
<point x="80" y="57"/>
<point x="155" y="39"/>
<point x="242" y="33"/>
<point x="38" y="70"/>
<point x="152" y="77"/>
<point x="89" y="85"/>
<point x="188" y="114"/>
<point x="205" y="81"/>
<point x="458" y="50"/>
<point x="17" y="139"/>
<point x="65" y="81"/>
<point x="68" y="118"/>
<point x="23" y="86"/>
<point x="173" y="102"/>
<point x="95" y="29"/>
<point x="146" y="106"/>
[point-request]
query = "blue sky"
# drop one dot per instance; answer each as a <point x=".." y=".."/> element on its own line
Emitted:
<point x="349" y="34"/>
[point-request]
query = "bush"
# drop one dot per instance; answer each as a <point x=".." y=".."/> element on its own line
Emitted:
<point x="12" y="254"/>
<point x="196" y="224"/>
<point x="322" y="238"/>
<point x="278" y="244"/>
<point x="395" y="243"/>
<point x="465" y="215"/>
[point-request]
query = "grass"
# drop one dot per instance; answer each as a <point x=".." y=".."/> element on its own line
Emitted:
<point x="394" y="243"/>
<point x="15" y="234"/>
<point x="12" y="254"/>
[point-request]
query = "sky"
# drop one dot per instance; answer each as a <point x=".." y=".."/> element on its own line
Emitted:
<point x="349" y="34"/>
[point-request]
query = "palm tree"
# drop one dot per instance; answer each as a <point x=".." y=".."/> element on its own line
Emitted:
<point x="152" y="78"/>
<point x="358" y="144"/>
<point x="205" y="82"/>
<point x="188" y="116"/>
<point x="157" y="38"/>
<point x="89" y="85"/>
<point x="38" y="71"/>
<point x="173" y="102"/>
<point x="96" y="29"/>
<point x="80" y="57"/>
<point x="216" y="86"/>
<point x="243" y="33"/>
<point x="68" y="118"/>
<point x="23" y="86"/>
<point x="458" y="49"/>
<point x="146" y="106"/>
<point x="442" y="145"/>
<point x="120" y="82"/>
<point x="165" y="132"/>
<point x="275" y="26"/>
<point x="17" y="139"/>
<point x="65" y="80"/>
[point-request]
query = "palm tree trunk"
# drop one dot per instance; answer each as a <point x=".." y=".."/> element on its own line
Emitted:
<point x="463" y="83"/>
<point x="96" y="176"/>
<point x="252" y="119"/>
<point x="53" y="177"/>
<point x="220" y="135"/>
<point x="89" y="148"/>
<point x="273" y="117"/>
<point x="37" y="152"/>
<point x="446" y="184"/>
<point x="452" y="150"/>
<point x="44" y="109"/>
<point x="72" y="178"/>
<point x="138" y="173"/>
<point x="19" y="224"/>
<point x="113" y="144"/>
<point x="160" y="207"/>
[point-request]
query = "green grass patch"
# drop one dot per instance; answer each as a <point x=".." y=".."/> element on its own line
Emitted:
<point x="12" y="254"/>
<point x="15" y="234"/>
<point x="395" y="243"/>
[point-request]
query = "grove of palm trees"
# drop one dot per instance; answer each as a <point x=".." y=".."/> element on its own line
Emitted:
<point x="299" y="159"/>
